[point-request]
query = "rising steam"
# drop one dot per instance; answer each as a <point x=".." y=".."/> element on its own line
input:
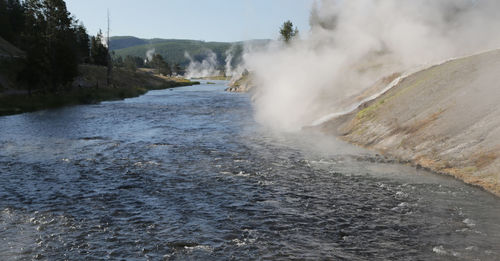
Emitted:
<point x="149" y="54"/>
<point x="234" y="72"/>
<point x="354" y="43"/>
<point x="205" y="68"/>
<point x="229" y="61"/>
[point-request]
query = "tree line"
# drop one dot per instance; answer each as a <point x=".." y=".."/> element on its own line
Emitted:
<point x="157" y="62"/>
<point x="54" y="42"/>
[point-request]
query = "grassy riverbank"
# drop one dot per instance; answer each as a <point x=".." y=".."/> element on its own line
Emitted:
<point x="89" y="88"/>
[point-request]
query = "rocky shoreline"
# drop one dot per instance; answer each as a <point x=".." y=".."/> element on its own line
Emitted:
<point x="243" y="84"/>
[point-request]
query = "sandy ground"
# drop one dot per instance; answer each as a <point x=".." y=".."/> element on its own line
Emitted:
<point x="445" y="118"/>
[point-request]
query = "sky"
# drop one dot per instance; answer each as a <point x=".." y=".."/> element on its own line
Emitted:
<point x="207" y="20"/>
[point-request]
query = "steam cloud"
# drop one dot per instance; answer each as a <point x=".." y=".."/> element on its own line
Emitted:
<point x="229" y="60"/>
<point x="234" y="72"/>
<point x="206" y="68"/>
<point x="354" y="43"/>
<point x="149" y="54"/>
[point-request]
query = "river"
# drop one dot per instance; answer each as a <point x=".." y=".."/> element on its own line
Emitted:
<point x="186" y="174"/>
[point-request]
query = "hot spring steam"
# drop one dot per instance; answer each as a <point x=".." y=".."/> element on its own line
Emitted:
<point x="352" y="44"/>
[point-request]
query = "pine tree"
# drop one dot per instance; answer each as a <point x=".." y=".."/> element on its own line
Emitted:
<point x="53" y="42"/>
<point x="11" y="20"/>
<point x="177" y="69"/>
<point x="287" y="31"/>
<point x="118" y="61"/>
<point x="98" y="52"/>
<point x="63" y="55"/>
<point x="83" y="44"/>
<point x="5" y="27"/>
<point x="130" y="63"/>
<point x="36" y="71"/>
<point x="160" y="65"/>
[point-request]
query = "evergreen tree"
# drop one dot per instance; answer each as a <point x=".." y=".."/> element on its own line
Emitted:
<point x="139" y="61"/>
<point x="98" y="52"/>
<point x="11" y="20"/>
<point x="160" y="65"/>
<point x="83" y="44"/>
<point x="287" y="31"/>
<point x="53" y="42"/>
<point x="177" y="69"/>
<point x="118" y="62"/>
<point x="130" y="63"/>
<point x="35" y="73"/>
<point x="5" y="27"/>
<point x="62" y="47"/>
<point x="16" y="17"/>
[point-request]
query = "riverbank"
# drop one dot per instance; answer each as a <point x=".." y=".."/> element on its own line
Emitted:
<point x="88" y="88"/>
<point x="242" y="84"/>
<point x="213" y="78"/>
<point x="445" y="118"/>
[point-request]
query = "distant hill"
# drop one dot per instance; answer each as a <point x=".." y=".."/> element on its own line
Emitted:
<point x="173" y="50"/>
<point x="121" y="42"/>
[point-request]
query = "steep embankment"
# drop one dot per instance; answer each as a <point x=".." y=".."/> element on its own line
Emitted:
<point x="445" y="118"/>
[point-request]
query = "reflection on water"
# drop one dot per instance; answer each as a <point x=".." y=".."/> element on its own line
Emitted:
<point x="186" y="174"/>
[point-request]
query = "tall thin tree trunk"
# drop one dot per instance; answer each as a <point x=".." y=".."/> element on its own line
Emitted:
<point x="110" y="65"/>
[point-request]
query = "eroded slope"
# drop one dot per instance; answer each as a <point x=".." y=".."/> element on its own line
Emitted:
<point x="446" y="118"/>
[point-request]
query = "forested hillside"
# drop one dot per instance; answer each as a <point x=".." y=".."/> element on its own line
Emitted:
<point x="174" y="50"/>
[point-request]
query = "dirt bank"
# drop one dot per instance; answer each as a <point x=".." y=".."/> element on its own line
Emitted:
<point x="445" y="118"/>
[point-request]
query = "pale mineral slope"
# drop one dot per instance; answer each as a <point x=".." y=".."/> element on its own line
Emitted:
<point x="445" y="118"/>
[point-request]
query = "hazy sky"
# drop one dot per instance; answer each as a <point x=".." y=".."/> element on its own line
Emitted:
<point x="209" y="20"/>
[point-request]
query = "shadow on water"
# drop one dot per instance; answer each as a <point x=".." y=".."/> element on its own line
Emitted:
<point x="186" y="174"/>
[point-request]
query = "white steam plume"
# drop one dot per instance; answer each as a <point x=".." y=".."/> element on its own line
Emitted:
<point x="234" y="72"/>
<point x="206" y="68"/>
<point x="149" y="54"/>
<point x="354" y="43"/>
<point x="229" y="60"/>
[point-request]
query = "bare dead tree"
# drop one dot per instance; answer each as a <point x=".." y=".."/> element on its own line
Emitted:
<point x="110" y="63"/>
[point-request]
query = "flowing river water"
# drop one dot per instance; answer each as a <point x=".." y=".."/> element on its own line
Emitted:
<point x="186" y="174"/>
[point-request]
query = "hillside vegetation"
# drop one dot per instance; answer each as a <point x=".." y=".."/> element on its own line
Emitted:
<point x="90" y="87"/>
<point x="445" y="118"/>
<point x="173" y="50"/>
